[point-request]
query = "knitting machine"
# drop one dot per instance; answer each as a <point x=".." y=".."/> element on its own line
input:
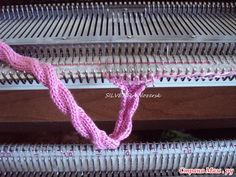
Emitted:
<point x="190" y="48"/>
<point x="85" y="40"/>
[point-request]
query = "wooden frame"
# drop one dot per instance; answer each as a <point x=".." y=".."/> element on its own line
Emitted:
<point x="213" y="107"/>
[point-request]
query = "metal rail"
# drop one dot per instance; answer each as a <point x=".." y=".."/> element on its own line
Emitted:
<point x="85" y="40"/>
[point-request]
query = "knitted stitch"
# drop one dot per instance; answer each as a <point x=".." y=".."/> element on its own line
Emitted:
<point x="66" y="103"/>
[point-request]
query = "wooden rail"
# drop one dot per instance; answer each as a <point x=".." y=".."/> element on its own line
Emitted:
<point x="172" y="108"/>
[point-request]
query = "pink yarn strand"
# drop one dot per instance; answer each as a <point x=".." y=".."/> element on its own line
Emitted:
<point x="66" y="103"/>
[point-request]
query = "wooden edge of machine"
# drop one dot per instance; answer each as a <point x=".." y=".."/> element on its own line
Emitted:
<point x="158" y="108"/>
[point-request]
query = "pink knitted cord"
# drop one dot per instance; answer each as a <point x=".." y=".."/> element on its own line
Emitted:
<point x="66" y="103"/>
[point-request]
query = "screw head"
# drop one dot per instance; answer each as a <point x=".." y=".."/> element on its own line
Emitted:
<point x="129" y="36"/>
